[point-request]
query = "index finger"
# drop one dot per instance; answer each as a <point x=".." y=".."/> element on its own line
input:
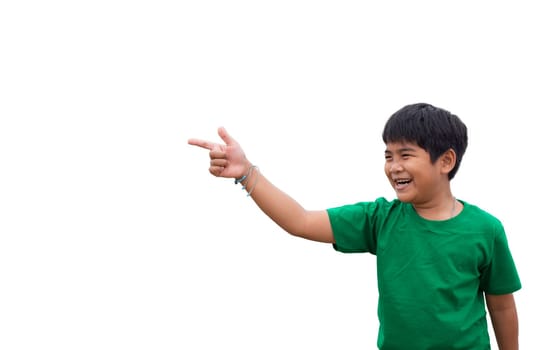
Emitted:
<point x="201" y="143"/>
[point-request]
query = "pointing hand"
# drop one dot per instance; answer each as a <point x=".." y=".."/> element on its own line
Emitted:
<point x="228" y="159"/>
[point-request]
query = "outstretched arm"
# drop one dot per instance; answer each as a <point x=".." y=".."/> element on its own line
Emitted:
<point x="504" y="318"/>
<point x="229" y="160"/>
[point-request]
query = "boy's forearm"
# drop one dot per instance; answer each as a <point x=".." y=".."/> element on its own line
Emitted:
<point x="276" y="204"/>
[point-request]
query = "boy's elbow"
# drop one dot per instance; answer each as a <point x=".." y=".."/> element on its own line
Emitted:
<point x="314" y="226"/>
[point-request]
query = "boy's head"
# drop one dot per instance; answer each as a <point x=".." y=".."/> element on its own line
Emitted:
<point x="431" y="128"/>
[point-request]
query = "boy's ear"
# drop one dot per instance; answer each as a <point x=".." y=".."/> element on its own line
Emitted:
<point x="448" y="160"/>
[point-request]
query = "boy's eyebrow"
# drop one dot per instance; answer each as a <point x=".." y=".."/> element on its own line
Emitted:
<point x="401" y="150"/>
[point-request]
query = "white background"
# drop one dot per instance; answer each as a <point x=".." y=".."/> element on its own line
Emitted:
<point x="113" y="235"/>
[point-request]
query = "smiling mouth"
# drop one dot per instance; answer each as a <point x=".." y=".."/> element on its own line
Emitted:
<point x="401" y="183"/>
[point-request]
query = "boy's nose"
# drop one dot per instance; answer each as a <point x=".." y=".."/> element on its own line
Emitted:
<point x="395" y="167"/>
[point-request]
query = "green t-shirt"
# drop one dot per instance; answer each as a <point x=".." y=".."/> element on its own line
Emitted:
<point x="432" y="275"/>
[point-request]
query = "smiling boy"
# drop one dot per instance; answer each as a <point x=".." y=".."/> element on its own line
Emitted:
<point x="439" y="259"/>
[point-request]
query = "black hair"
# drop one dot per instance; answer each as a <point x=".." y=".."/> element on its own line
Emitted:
<point x="431" y="128"/>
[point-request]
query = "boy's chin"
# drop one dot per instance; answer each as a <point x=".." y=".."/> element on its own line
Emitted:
<point x="403" y="198"/>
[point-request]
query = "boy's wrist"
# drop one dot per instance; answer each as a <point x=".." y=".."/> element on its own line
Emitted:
<point x="245" y="173"/>
<point x="249" y="179"/>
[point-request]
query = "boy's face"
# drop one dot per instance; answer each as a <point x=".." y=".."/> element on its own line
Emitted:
<point x="411" y="173"/>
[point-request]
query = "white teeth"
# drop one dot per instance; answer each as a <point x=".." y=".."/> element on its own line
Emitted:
<point x="402" y="182"/>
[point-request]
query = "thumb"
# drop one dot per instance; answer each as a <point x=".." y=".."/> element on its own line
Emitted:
<point x="226" y="137"/>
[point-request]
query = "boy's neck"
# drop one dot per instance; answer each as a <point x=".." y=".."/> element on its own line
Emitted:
<point x="443" y="209"/>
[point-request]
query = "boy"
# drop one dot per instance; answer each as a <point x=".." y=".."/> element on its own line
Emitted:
<point x="438" y="258"/>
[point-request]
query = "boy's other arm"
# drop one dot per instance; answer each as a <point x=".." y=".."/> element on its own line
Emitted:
<point x="504" y="317"/>
<point x="229" y="160"/>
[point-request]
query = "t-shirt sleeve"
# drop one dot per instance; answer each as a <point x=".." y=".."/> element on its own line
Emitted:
<point x="354" y="226"/>
<point x="500" y="276"/>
